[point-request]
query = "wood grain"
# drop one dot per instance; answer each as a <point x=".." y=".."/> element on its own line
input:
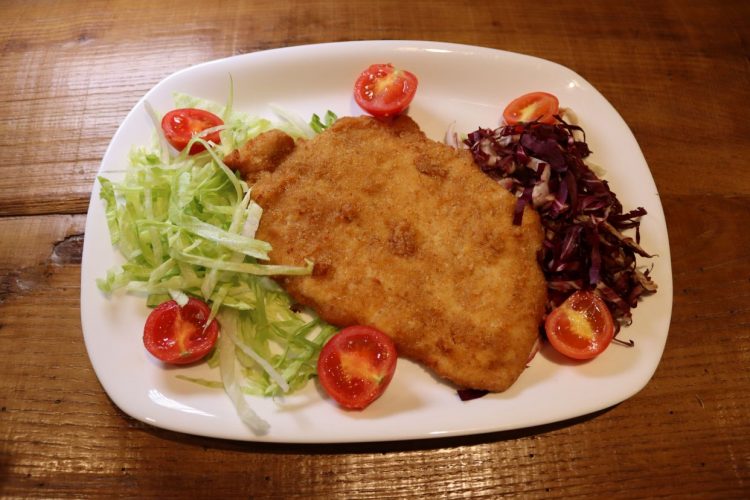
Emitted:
<point x="678" y="72"/>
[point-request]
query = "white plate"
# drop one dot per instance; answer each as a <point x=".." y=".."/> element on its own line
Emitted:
<point x="468" y="85"/>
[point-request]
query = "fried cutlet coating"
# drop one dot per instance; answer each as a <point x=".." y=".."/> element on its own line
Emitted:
<point x="261" y="154"/>
<point x="410" y="237"/>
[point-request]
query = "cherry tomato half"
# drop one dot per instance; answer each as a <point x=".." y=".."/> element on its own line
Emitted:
<point x="356" y="365"/>
<point x="384" y="91"/>
<point x="177" y="335"/>
<point x="539" y="106"/>
<point x="581" y="327"/>
<point x="180" y="125"/>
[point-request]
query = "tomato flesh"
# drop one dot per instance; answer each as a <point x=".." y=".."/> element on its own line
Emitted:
<point x="534" y="106"/>
<point x="581" y="327"/>
<point x="385" y="91"/>
<point x="178" y="335"/>
<point x="356" y="365"/>
<point x="180" y="125"/>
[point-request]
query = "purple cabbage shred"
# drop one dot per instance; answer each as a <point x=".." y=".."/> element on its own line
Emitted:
<point x="584" y="245"/>
<point x="469" y="394"/>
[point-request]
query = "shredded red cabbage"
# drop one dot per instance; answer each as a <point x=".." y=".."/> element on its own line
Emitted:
<point x="584" y="247"/>
<point x="469" y="394"/>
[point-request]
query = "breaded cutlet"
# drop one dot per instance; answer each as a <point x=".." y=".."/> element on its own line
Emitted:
<point x="408" y="236"/>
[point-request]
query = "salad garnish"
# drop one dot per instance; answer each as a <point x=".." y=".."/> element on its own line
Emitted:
<point x="584" y="248"/>
<point x="580" y="328"/>
<point x="385" y="91"/>
<point x="356" y="365"/>
<point x="180" y="333"/>
<point x="185" y="225"/>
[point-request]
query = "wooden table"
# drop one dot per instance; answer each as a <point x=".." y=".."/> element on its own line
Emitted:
<point x="678" y="73"/>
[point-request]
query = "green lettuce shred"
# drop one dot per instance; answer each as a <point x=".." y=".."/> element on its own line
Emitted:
<point x="186" y="227"/>
<point x="319" y="125"/>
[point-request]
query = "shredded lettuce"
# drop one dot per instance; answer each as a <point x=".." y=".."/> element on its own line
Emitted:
<point x="319" y="125"/>
<point x="186" y="227"/>
<point x="233" y="388"/>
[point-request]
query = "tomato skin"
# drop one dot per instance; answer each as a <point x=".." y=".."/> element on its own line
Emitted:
<point x="176" y="335"/>
<point x="180" y="125"/>
<point x="384" y="91"/>
<point x="582" y="327"/>
<point x="539" y="106"/>
<point x="356" y="365"/>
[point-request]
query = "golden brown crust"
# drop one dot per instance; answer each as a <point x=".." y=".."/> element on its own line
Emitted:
<point x="410" y="237"/>
<point x="261" y="154"/>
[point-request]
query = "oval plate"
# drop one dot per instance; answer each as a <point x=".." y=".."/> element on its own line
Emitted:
<point x="458" y="83"/>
